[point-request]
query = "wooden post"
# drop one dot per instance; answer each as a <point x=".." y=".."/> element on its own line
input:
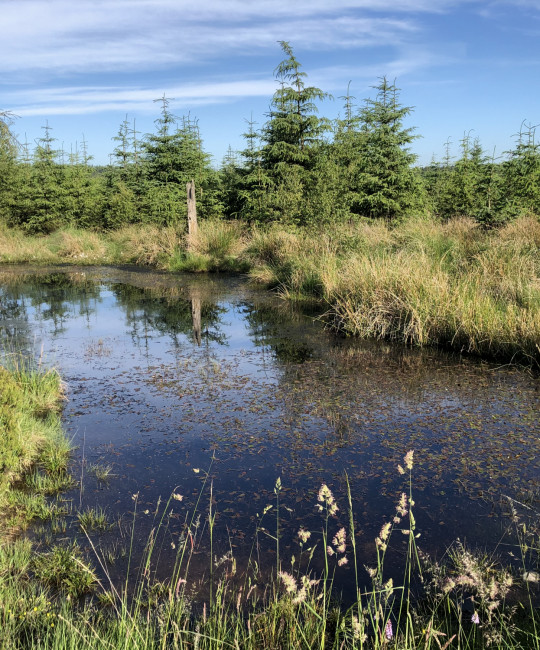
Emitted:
<point x="191" y="212"/>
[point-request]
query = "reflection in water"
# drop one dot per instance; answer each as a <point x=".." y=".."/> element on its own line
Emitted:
<point x="166" y="372"/>
<point x="196" y="318"/>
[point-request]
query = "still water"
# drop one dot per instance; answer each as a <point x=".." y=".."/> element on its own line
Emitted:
<point x="210" y="389"/>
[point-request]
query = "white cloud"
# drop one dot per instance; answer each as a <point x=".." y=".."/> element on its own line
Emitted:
<point x="73" y="36"/>
<point x="48" y="43"/>
<point x="73" y="100"/>
<point x="79" y="100"/>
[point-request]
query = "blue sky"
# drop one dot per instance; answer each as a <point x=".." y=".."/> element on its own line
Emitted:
<point x="82" y="65"/>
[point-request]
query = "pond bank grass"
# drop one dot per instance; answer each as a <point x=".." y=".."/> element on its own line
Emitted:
<point x="420" y="282"/>
<point x="33" y="446"/>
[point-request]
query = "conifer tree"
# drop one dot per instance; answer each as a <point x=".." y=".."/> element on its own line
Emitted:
<point x="40" y="202"/>
<point x="388" y="186"/>
<point x="521" y="175"/>
<point x="8" y="165"/>
<point x="289" y="140"/>
<point x="84" y="191"/>
<point x="255" y="183"/>
<point x="123" y="179"/>
<point x="172" y="157"/>
<point x="468" y="188"/>
<point x="231" y="177"/>
<point x="346" y="154"/>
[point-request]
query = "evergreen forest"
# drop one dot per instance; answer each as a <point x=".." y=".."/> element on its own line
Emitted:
<point x="297" y="169"/>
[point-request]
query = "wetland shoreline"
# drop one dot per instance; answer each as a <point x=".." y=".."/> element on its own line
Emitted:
<point x="421" y="282"/>
<point x="35" y="586"/>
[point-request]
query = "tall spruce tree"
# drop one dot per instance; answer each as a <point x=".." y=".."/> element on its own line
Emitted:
<point x="84" y="191"/>
<point x="231" y="177"/>
<point x="521" y="175"/>
<point x="289" y="140"/>
<point x="347" y="150"/>
<point x="124" y="181"/>
<point x="255" y="181"/>
<point x="173" y="156"/>
<point x="388" y="187"/>
<point x="40" y="205"/>
<point x="469" y="187"/>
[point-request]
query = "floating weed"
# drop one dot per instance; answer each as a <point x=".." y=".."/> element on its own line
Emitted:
<point x="102" y="472"/>
<point x="94" y="519"/>
<point x="98" y="349"/>
<point x="113" y="552"/>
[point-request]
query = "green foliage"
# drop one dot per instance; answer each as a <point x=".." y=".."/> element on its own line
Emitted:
<point x="387" y="186"/>
<point x="255" y="179"/>
<point x="298" y="169"/>
<point x="64" y="568"/>
<point x="280" y="170"/>
<point x="8" y="165"/>
<point x="84" y="191"/>
<point x="172" y="157"/>
<point x="31" y="443"/>
<point x="40" y="202"/>
<point x="471" y="187"/>
<point x="521" y="175"/>
<point x="230" y="185"/>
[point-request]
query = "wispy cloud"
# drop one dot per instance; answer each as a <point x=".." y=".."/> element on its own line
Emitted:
<point x="76" y="99"/>
<point x="59" y="37"/>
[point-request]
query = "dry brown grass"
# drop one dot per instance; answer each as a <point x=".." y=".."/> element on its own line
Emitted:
<point x="17" y="247"/>
<point x="146" y="245"/>
<point x="83" y="247"/>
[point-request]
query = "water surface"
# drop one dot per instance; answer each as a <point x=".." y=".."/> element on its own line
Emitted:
<point x="172" y="378"/>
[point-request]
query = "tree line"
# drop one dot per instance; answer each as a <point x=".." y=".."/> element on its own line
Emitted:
<point x="297" y="169"/>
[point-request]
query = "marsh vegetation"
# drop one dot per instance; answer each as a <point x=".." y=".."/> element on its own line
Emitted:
<point x="173" y="528"/>
<point x="228" y="472"/>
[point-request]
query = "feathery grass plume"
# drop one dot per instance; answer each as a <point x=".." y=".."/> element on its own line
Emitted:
<point x="383" y="536"/>
<point x="326" y="498"/>
<point x="408" y="459"/>
<point x="288" y="581"/>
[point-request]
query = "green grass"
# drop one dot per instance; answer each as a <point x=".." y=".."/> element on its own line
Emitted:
<point x="466" y="600"/>
<point x="65" y="569"/>
<point x="32" y="445"/>
<point x="103" y="473"/>
<point x="93" y="519"/>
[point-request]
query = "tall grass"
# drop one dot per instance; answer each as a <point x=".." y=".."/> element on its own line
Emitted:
<point x="421" y="283"/>
<point x="467" y="600"/>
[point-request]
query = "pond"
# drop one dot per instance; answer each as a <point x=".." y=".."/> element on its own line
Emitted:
<point x="210" y="389"/>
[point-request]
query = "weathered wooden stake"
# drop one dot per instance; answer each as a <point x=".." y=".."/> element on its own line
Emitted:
<point x="193" y="228"/>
